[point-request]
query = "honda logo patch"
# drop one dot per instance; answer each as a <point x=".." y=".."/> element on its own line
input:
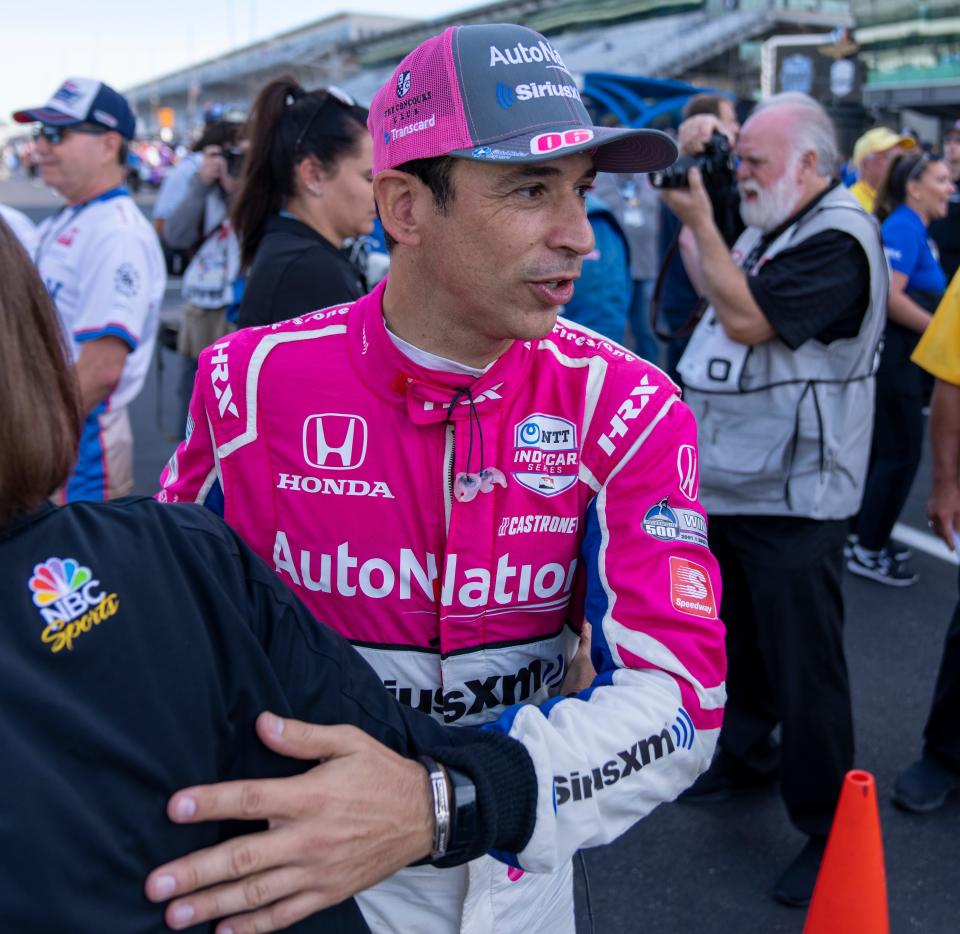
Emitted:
<point x="334" y="441"/>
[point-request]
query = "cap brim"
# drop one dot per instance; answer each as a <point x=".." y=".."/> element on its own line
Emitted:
<point x="45" y="115"/>
<point x="618" y="149"/>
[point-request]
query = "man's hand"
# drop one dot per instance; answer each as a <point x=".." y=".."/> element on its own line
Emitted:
<point x="213" y="166"/>
<point x="943" y="511"/>
<point x="360" y="815"/>
<point x="580" y="671"/>
<point x="695" y="132"/>
<point x="691" y="205"/>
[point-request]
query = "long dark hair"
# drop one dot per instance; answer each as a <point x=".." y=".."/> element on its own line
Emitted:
<point x="40" y="428"/>
<point x="287" y="124"/>
<point x="904" y="168"/>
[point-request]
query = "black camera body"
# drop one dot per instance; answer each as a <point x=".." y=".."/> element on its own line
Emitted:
<point x="715" y="164"/>
<point x="234" y="158"/>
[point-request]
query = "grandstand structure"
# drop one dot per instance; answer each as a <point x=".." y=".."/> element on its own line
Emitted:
<point x="912" y="51"/>
<point x="709" y="43"/>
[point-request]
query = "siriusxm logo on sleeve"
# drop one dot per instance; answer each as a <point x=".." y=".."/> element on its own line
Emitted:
<point x="577" y="787"/>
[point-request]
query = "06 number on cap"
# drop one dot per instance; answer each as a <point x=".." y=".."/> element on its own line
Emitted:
<point x="551" y="142"/>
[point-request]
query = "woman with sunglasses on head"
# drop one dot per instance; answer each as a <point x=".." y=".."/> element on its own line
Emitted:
<point x="915" y="192"/>
<point x="307" y="187"/>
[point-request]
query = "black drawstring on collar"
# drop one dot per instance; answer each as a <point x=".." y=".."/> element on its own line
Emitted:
<point x="473" y="416"/>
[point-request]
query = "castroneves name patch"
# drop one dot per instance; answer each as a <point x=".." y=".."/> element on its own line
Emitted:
<point x="690" y="589"/>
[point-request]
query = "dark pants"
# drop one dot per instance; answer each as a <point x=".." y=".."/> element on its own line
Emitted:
<point x="897" y="438"/>
<point x="942" y="732"/>
<point x="783" y="608"/>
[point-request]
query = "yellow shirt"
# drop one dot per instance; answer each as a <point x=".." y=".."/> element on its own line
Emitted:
<point x="939" y="349"/>
<point x="866" y="195"/>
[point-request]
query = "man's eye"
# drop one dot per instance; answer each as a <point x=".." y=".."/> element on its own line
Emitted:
<point x="584" y="190"/>
<point x="530" y="191"/>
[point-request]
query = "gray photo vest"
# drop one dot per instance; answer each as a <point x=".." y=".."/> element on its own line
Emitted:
<point x="787" y="432"/>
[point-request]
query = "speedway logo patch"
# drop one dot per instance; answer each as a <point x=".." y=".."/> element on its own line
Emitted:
<point x="545" y="455"/>
<point x="690" y="589"/>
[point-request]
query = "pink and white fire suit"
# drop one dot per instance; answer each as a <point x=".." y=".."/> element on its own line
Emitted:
<point x="335" y="457"/>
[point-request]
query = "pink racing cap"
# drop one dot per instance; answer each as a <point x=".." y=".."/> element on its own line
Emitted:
<point x="497" y="93"/>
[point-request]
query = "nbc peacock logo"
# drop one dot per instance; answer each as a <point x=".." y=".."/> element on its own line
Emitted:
<point x="70" y="601"/>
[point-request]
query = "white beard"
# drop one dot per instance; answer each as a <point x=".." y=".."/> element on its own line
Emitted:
<point x="772" y="205"/>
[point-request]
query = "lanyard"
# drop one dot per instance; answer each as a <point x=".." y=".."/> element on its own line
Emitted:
<point x="72" y="213"/>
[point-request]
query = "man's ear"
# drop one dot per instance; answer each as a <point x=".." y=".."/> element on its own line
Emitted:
<point x="808" y="161"/>
<point x="401" y="199"/>
<point x="112" y="143"/>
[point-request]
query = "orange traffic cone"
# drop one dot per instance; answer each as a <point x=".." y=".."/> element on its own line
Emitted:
<point x="850" y="896"/>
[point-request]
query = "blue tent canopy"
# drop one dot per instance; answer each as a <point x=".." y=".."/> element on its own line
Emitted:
<point x="635" y="100"/>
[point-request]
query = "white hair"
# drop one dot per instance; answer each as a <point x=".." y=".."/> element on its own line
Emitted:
<point x="813" y="129"/>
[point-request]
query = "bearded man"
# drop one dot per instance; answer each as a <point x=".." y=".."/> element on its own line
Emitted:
<point x="780" y="375"/>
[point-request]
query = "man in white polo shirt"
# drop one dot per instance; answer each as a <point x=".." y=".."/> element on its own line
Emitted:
<point x="102" y="263"/>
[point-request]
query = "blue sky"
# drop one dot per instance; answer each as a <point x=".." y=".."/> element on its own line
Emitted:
<point x="124" y="42"/>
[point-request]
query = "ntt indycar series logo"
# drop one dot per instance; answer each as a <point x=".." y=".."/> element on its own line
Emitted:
<point x="545" y="455"/>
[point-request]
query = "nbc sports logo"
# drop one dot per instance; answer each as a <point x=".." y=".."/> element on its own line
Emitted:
<point x="69" y="601"/>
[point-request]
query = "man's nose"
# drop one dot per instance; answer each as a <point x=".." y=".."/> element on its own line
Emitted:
<point x="572" y="230"/>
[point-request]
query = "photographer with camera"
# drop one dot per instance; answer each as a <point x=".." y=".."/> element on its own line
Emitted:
<point x="199" y="225"/>
<point x="780" y="373"/>
<point x="706" y="136"/>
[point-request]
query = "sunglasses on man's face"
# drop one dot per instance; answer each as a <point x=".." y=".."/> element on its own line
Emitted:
<point x="55" y="135"/>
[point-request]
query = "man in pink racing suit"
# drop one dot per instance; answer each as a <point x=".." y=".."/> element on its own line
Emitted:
<point x="455" y="479"/>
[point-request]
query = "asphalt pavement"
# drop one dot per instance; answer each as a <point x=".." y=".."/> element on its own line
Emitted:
<point x="709" y="869"/>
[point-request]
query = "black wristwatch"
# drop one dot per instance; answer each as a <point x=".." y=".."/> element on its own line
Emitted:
<point x="464" y="815"/>
<point x="457" y="819"/>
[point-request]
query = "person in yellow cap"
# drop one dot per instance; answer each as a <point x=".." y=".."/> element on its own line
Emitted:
<point x="871" y="158"/>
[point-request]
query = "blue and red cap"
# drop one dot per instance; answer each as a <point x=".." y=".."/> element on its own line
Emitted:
<point x="84" y="100"/>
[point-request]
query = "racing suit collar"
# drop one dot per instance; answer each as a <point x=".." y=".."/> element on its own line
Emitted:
<point x="428" y="393"/>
